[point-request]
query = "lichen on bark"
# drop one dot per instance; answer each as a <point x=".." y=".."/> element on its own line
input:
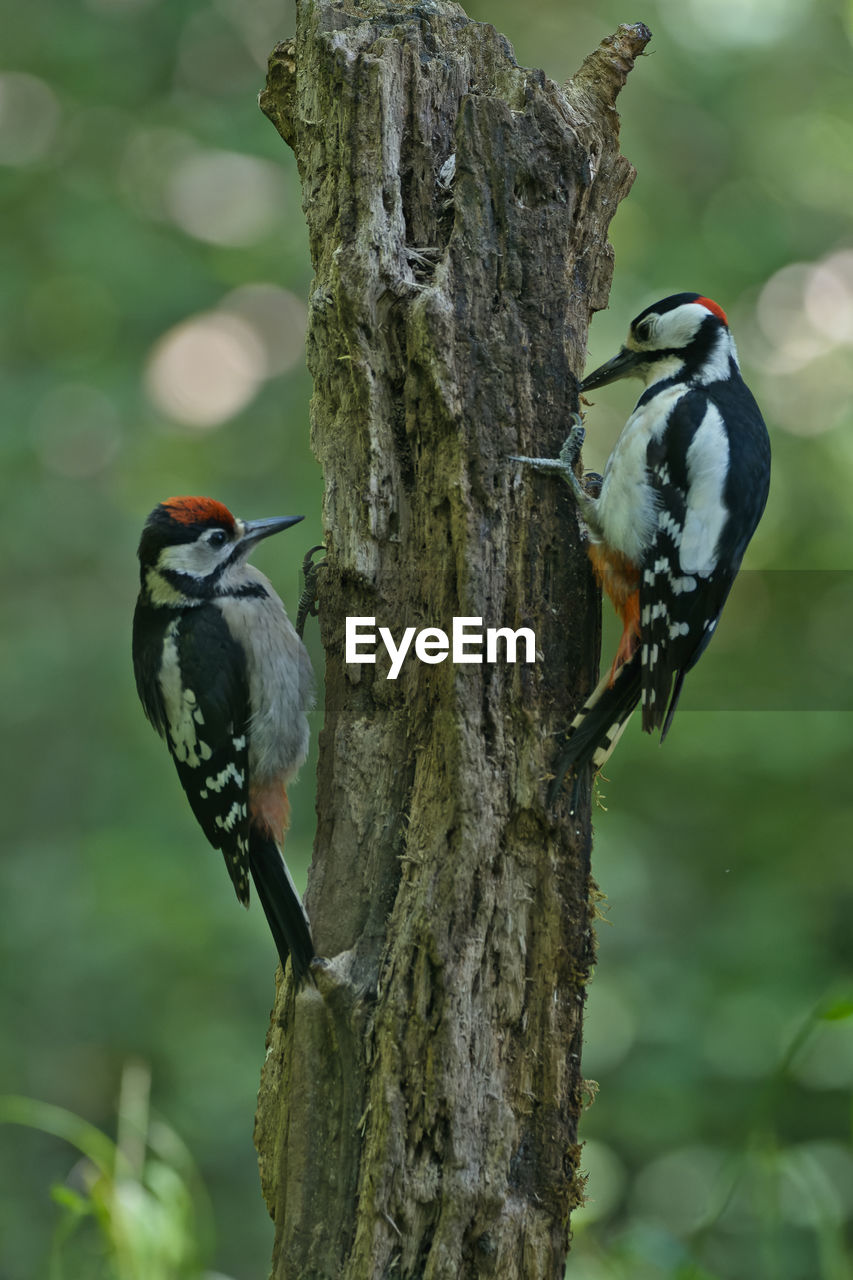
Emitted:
<point x="418" y="1109"/>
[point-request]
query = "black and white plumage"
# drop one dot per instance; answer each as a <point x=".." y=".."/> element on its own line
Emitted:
<point x="226" y="681"/>
<point x="669" y="522"/>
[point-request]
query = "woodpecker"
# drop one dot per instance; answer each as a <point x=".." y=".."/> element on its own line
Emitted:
<point x="670" y="520"/>
<point x="226" y="681"/>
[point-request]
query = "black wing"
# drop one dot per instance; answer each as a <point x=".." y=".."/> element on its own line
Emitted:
<point x="206" y="721"/>
<point x="680" y="602"/>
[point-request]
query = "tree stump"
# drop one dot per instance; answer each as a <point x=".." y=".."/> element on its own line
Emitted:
<point x="419" y="1106"/>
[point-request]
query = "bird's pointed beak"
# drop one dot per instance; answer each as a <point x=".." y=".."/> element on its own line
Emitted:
<point x="625" y="364"/>
<point x="256" y="530"/>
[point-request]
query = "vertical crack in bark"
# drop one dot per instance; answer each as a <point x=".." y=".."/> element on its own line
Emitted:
<point x="418" y="1111"/>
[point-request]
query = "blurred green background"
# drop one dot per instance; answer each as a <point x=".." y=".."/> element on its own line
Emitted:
<point x="155" y="276"/>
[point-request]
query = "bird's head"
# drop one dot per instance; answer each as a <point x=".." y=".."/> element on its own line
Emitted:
<point x="685" y="336"/>
<point x="188" y="544"/>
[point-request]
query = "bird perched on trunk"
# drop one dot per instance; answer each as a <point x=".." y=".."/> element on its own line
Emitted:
<point x="669" y="521"/>
<point x="226" y="681"/>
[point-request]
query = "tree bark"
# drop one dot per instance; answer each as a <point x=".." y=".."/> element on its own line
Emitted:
<point x="419" y="1107"/>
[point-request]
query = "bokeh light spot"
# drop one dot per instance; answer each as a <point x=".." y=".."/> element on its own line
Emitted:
<point x="799" y="341"/>
<point x="828" y="298"/>
<point x="680" y="1189"/>
<point x="225" y="197"/>
<point x="279" y="319"/>
<point x="817" y="1184"/>
<point x="205" y="370"/>
<point x="150" y="157"/>
<point x="605" y="1182"/>
<point x="748" y="23"/>
<point x="29" y="117"/>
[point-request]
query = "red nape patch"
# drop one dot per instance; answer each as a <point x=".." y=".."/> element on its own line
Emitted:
<point x="715" y="308"/>
<point x="198" y="511"/>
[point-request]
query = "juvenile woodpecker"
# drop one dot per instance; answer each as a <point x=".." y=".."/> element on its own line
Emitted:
<point x="226" y="681"/>
<point x="669" y="522"/>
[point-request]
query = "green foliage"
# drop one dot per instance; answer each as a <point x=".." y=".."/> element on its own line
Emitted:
<point x="787" y="1201"/>
<point x="141" y="1193"/>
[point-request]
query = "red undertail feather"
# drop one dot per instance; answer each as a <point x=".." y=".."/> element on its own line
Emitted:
<point x="270" y="810"/>
<point x="619" y="579"/>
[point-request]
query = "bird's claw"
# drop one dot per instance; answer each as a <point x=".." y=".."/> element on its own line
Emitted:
<point x="568" y="457"/>
<point x="573" y="444"/>
<point x="308" y="600"/>
<point x="592" y="483"/>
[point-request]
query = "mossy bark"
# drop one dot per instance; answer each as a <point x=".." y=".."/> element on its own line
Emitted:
<point x="419" y="1108"/>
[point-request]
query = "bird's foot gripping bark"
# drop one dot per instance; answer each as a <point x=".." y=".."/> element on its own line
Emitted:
<point x="307" y="607"/>
<point x="567" y="460"/>
<point x="585" y="488"/>
<point x="571" y="450"/>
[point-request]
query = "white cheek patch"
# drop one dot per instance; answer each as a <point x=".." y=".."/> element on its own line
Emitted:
<point x="197" y="559"/>
<point x="678" y="328"/>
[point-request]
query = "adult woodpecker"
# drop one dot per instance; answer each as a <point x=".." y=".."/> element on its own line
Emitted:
<point x="670" y="520"/>
<point x="225" y="679"/>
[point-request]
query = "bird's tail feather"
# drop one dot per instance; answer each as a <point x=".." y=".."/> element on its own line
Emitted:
<point x="598" y="726"/>
<point x="282" y="905"/>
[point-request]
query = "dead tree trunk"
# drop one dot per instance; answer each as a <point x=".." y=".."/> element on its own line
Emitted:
<point x="418" y="1110"/>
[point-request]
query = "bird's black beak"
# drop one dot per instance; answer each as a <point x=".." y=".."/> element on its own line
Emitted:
<point x="625" y="364"/>
<point x="256" y="530"/>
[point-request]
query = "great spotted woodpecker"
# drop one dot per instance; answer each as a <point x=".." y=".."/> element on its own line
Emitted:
<point x="669" y="522"/>
<point x="224" y="678"/>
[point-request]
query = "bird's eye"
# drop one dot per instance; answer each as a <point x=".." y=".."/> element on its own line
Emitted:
<point x="643" y="331"/>
<point x="217" y="538"/>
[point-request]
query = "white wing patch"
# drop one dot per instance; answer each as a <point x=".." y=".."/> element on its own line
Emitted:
<point x="707" y="465"/>
<point x="235" y="814"/>
<point x="230" y="771"/>
<point x="679" y="585"/>
<point x="183" y="715"/>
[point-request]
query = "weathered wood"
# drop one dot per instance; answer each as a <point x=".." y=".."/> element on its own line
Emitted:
<point x="418" y="1110"/>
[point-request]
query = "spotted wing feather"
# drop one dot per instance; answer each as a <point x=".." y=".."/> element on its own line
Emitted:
<point x="207" y="734"/>
<point x="672" y="594"/>
<point x="681" y="601"/>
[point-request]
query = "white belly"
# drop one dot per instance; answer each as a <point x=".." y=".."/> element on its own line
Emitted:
<point x="627" y="507"/>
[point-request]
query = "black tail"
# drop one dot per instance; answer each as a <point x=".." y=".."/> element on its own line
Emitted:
<point x="282" y="905"/>
<point x="598" y="726"/>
